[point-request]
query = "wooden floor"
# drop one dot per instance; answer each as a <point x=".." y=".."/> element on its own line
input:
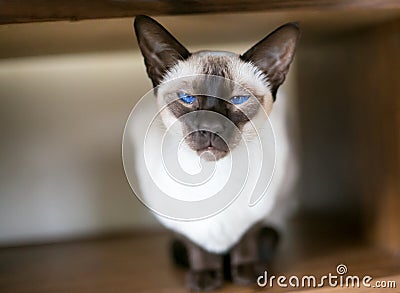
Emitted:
<point x="141" y="264"/>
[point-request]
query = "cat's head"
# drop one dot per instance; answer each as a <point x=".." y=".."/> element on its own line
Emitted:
<point x="214" y="96"/>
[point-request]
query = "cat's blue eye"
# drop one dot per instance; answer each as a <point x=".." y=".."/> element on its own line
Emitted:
<point x="237" y="100"/>
<point x="188" y="99"/>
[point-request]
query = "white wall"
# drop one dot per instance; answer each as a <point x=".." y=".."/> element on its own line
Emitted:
<point x="62" y="122"/>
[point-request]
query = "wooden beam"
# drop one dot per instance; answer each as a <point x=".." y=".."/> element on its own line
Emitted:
<point x="387" y="63"/>
<point x="21" y="11"/>
<point x="350" y="128"/>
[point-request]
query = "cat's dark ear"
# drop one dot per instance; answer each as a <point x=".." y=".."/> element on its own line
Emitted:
<point x="274" y="53"/>
<point x="159" y="48"/>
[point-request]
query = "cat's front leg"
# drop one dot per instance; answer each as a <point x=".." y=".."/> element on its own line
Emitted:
<point x="244" y="258"/>
<point x="205" y="269"/>
<point x="253" y="252"/>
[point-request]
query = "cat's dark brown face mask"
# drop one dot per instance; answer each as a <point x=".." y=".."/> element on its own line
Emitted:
<point x="213" y="115"/>
<point x="206" y="130"/>
<point x="214" y="95"/>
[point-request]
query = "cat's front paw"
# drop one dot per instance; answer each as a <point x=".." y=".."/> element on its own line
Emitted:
<point x="206" y="280"/>
<point x="244" y="274"/>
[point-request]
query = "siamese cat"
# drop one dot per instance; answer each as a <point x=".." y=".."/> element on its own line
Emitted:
<point x="215" y="99"/>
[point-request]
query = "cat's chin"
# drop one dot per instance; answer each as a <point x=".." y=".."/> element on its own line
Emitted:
<point x="211" y="154"/>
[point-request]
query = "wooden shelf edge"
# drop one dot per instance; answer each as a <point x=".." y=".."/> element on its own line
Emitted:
<point x="25" y="11"/>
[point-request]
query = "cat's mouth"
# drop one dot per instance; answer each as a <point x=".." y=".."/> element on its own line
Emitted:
<point x="210" y="146"/>
<point x="211" y="153"/>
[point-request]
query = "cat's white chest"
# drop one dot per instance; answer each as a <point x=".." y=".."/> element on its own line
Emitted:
<point x="221" y="230"/>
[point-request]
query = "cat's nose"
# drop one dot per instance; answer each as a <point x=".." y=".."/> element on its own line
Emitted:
<point x="211" y="125"/>
<point x="210" y="121"/>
